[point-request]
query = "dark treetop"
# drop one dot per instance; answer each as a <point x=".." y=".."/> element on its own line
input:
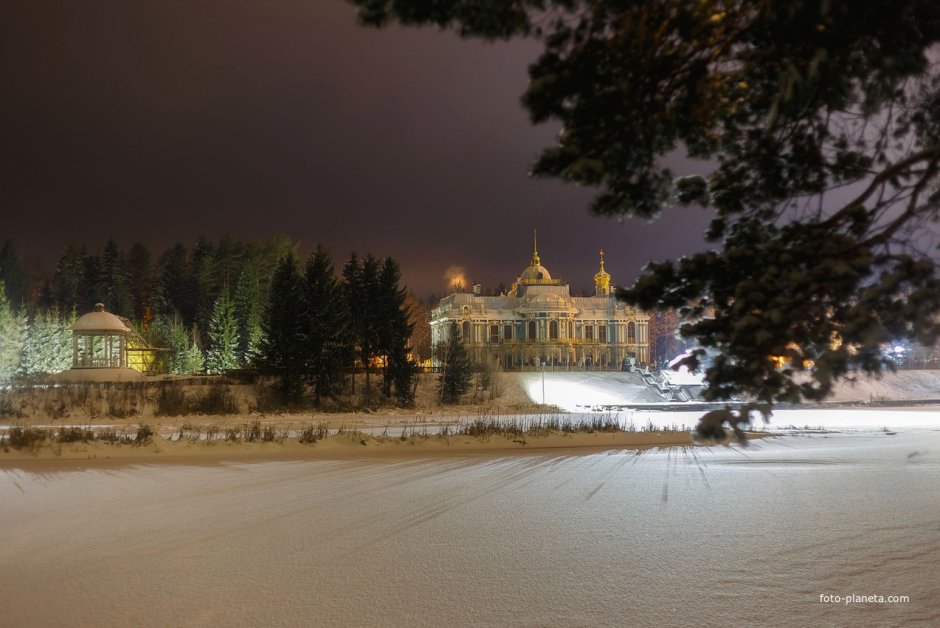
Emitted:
<point x="820" y="124"/>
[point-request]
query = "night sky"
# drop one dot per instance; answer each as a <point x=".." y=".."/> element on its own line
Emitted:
<point x="162" y="121"/>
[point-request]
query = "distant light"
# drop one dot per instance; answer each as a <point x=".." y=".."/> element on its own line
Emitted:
<point x="899" y="349"/>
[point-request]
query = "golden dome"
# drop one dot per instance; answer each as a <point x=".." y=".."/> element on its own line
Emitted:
<point x="535" y="272"/>
<point x="602" y="279"/>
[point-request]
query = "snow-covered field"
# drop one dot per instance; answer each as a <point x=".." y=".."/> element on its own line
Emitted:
<point x="581" y="391"/>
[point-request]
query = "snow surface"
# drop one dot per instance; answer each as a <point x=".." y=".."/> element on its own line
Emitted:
<point x="580" y="391"/>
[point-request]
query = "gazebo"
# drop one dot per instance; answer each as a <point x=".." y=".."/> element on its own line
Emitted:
<point x="99" y="341"/>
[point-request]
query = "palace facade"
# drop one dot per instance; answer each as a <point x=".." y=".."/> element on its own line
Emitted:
<point x="538" y="322"/>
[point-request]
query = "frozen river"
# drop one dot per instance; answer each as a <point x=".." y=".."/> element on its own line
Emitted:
<point x="696" y="536"/>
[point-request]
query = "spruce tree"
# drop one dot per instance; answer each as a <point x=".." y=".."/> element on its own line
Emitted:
<point x="140" y="282"/>
<point x="221" y="354"/>
<point x="393" y="331"/>
<point x="171" y="333"/>
<point x="203" y="283"/>
<point x="90" y="288"/>
<point x="355" y="308"/>
<point x="62" y="359"/>
<point x="194" y="361"/>
<point x="282" y="350"/>
<point x="40" y="347"/>
<point x="115" y="281"/>
<point x="328" y="347"/>
<point x="12" y="338"/>
<point x="365" y="293"/>
<point x="248" y="316"/>
<point x="265" y="255"/>
<point x="173" y="293"/>
<point x="456" y="373"/>
<point x="68" y="277"/>
<point x="403" y="372"/>
<point x="13" y="275"/>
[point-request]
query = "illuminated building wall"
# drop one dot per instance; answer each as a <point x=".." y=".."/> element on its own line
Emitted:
<point x="538" y="322"/>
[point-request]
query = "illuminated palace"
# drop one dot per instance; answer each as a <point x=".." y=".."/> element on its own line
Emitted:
<point x="538" y="322"/>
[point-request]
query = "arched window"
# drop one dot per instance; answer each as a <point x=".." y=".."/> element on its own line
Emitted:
<point x="631" y="332"/>
<point x="553" y="330"/>
<point x="466" y="331"/>
<point x="571" y="329"/>
<point x="532" y="333"/>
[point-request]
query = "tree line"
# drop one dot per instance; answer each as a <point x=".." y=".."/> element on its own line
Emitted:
<point x="223" y="306"/>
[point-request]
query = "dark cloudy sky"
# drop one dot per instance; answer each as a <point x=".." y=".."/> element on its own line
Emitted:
<point x="162" y="121"/>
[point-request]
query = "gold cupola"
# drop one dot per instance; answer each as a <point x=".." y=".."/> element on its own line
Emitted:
<point x="602" y="280"/>
<point x="535" y="273"/>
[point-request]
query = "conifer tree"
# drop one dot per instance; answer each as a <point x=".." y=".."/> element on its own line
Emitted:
<point x="12" y="338"/>
<point x="172" y="292"/>
<point x="248" y="316"/>
<point x="456" y="373"/>
<point x="31" y="358"/>
<point x="48" y="343"/>
<point x="203" y="283"/>
<point x="221" y="354"/>
<point x="114" y="279"/>
<point x="361" y="290"/>
<point x="41" y="344"/>
<point x="13" y="275"/>
<point x="355" y="308"/>
<point x="403" y="372"/>
<point x="282" y="350"/>
<point x="90" y="288"/>
<point x="393" y="331"/>
<point x="171" y="333"/>
<point x="63" y="339"/>
<point x="140" y="281"/>
<point x="328" y="347"/>
<point x="193" y="360"/>
<point x="68" y="277"/>
<point x="265" y="255"/>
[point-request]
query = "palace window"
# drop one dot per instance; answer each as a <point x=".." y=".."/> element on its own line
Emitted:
<point x="553" y="330"/>
<point x="532" y="333"/>
<point x="507" y="332"/>
<point x="631" y="332"/>
<point x="588" y="332"/>
<point x="466" y="331"/>
<point x="602" y="333"/>
<point x="494" y="333"/>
